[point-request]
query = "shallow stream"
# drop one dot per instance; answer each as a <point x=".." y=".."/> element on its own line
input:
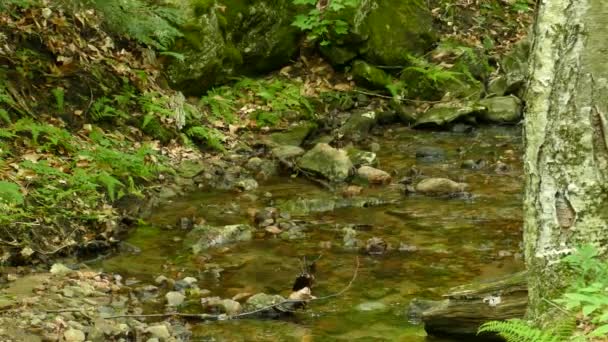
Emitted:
<point x="435" y="243"/>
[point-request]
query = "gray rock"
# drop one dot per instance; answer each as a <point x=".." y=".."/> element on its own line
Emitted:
<point x="74" y="335"/>
<point x="231" y="307"/>
<point x="60" y="269"/>
<point x="373" y="176"/>
<point x="501" y="109"/>
<point x="444" y="113"/>
<point x="440" y="186"/>
<point x="287" y="152"/>
<point x="175" y="298"/>
<point x="359" y="157"/>
<point x="204" y="237"/>
<point x="294" y="136"/>
<point x="327" y="161"/>
<point x="358" y="125"/>
<point x="246" y="184"/>
<point x="262" y="300"/>
<point x="430" y="153"/>
<point x="159" y="331"/>
<point x="376" y="246"/>
<point x="350" y="238"/>
<point x="254" y="164"/>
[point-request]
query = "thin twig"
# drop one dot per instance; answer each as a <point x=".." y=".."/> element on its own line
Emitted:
<point x="211" y="317"/>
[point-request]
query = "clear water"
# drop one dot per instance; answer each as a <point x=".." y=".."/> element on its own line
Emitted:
<point x="458" y="241"/>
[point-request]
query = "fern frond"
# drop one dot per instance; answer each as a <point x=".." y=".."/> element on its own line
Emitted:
<point x="517" y="330"/>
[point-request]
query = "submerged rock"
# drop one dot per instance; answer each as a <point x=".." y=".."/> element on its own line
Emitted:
<point x="430" y="153"/>
<point x="376" y="246"/>
<point x="263" y="300"/>
<point x="175" y="298"/>
<point x="440" y="186"/>
<point x="373" y="176"/>
<point x="327" y="161"/>
<point x="359" y="157"/>
<point x="204" y="237"/>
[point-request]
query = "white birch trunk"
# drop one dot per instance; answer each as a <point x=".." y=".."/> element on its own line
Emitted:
<point x="566" y="133"/>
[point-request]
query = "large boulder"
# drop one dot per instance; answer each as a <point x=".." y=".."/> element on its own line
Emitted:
<point x="327" y="161"/>
<point x="238" y="37"/>
<point x="501" y="109"/>
<point x="383" y="32"/>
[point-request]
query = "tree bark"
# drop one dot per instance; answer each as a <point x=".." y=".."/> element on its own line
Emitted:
<point x="566" y="133"/>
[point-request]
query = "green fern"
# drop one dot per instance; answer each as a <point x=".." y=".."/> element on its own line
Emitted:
<point x="517" y="330"/>
<point x="148" y="23"/>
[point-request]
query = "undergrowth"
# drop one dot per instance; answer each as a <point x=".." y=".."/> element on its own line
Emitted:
<point x="584" y="304"/>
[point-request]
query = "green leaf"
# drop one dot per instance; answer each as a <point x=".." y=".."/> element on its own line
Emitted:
<point x="10" y="193"/>
<point x="601" y="331"/>
<point x="110" y="183"/>
<point x="5" y="116"/>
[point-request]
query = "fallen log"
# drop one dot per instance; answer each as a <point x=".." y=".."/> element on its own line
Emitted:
<point x="468" y="306"/>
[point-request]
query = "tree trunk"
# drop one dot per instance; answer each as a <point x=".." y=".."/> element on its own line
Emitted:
<point x="566" y="132"/>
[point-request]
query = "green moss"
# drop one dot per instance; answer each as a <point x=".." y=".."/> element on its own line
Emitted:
<point x="201" y="7"/>
<point x="369" y="76"/>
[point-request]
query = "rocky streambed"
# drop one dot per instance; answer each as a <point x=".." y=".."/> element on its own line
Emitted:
<point x="445" y="211"/>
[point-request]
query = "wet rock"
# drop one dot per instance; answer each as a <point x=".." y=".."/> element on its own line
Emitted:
<point x="262" y="300"/>
<point x="294" y="136"/>
<point x="227" y="306"/>
<point x="358" y="125"/>
<point x="430" y="153"/>
<point x="286" y="153"/>
<point x="351" y="191"/>
<point x="501" y="167"/>
<point x="190" y="168"/>
<point x="359" y="157"/>
<point x="369" y="76"/>
<point x="204" y="237"/>
<point x="327" y="161"/>
<point x="254" y="164"/>
<point x="159" y="331"/>
<point x="406" y="113"/>
<point x="376" y="246"/>
<point x="350" y="238"/>
<point x="60" y="269"/>
<point x="473" y="164"/>
<point x="266" y="216"/>
<point x="498" y="86"/>
<point x="74" y="335"/>
<point x="175" y="298"/>
<point x="373" y="176"/>
<point x="440" y="186"/>
<point x="447" y="112"/>
<point x="462" y="128"/>
<point x="501" y="109"/>
<point x="246" y="184"/>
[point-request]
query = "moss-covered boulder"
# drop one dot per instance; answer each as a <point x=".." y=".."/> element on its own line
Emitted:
<point x="329" y="162"/>
<point x="445" y="113"/>
<point x="235" y="38"/>
<point x="295" y="135"/>
<point x="501" y="109"/>
<point x="370" y="76"/>
<point x="384" y="32"/>
<point x="358" y="125"/>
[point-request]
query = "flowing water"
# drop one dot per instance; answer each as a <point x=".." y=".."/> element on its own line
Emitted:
<point x="456" y="241"/>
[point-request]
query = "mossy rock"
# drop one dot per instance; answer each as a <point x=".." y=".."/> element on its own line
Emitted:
<point x="240" y="37"/>
<point x="445" y="113"/>
<point x="294" y="136"/>
<point x="369" y="76"/>
<point x="384" y="32"/>
<point x="501" y="109"/>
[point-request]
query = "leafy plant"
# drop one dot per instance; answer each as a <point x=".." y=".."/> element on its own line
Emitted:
<point x="10" y="193"/>
<point x="59" y="95"/>
<point x="317" y="24"/>
<point x="149" y="23"/>
<point x="586" y="296"/>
